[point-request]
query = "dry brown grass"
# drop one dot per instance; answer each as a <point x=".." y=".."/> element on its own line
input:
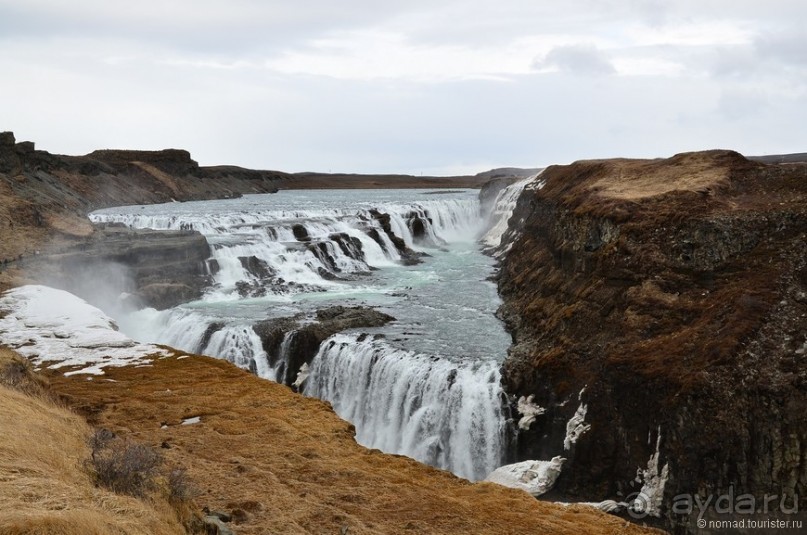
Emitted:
<point x="16" y="372"/>
<point x="283" y="463"/>
<point x="636" y="179"/>
<point x="166" y="179"/>
<point x="69" y="224"/>
<point x="44" y="486"/>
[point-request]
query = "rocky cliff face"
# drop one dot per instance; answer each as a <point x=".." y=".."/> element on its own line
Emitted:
<point x="45" y="197"/>
<point x="307" y="333"/>
<point x="659" y="312"/>
<point x="159" y="269"/>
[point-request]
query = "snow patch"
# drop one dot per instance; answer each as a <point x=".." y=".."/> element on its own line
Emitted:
<point x="529" y="410"/>
<point x="607" y="506"/>
<point x="57" y="328"/>
<point x="576" y="426"/>
<point x="650" y="498"/>
<point x="534" y="477"/>
<point x="302" y="375"/>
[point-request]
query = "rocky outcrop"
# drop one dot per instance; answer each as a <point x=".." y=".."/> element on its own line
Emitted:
<point x="44" y="198"/>
<point x="409" y="257"/>
<point x="9" y="158"/>
<point x="160" y="269"/>
<point x="659" y="312"/>
<point x="114" y="177"/>
<point x="292" y="342"/>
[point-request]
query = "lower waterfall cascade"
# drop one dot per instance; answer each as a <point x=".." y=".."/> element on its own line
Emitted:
<point x="434" y="410"/>
<point x="427" y="385"/>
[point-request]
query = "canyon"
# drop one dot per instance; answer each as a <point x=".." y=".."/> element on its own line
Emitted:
<point x="657" y="309"/>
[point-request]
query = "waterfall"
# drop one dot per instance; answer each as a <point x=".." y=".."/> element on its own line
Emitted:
<point x="281" y="361"/>
<point x="503" y="208"/>
<point x="442" y="410"/>
<point x="180" y="328"/>
<point x="241" y="346"/>
<point x="444" y="413"/>
<point x="196" y="333"/>
<point x="282" y="251"/>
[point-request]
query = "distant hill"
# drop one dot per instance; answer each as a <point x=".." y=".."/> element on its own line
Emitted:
<point x="508" y="172"/>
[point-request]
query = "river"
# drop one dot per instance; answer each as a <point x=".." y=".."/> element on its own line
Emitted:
<point x="426" y="385"/>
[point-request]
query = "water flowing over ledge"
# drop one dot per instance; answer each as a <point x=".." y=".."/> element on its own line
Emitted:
<point x="434" y="410"/>
<point x="291" y="251"/>
<point x="431" y="389"/>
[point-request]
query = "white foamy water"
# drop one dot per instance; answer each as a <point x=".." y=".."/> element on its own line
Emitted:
<point x="503" y="207"/>
<point x="435" y="410"/>
<point x="431" y="388"/>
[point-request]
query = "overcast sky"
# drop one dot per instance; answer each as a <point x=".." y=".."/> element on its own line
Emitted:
<point x="437" y="87"/>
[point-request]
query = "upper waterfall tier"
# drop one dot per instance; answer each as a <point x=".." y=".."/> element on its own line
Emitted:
<point x="261" y="244"/>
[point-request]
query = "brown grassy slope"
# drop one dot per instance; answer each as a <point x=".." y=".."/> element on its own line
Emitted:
<point x="658" y="263"/>
<point x="292" y="466"/>
<point x="636" y="179"/>
<point x="44" y="485"/>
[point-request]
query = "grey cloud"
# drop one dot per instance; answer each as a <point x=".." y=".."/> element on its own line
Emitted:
<point x="737" y="61"/>
<point x="770" y="57"/>
<point x="577" y="59"/>
<point x="737" y="104"/>
<point x="237" y="27"/>
<point x="786" y="47"/>
<point x="654" y="12"/>
<point x="256" y="117"/>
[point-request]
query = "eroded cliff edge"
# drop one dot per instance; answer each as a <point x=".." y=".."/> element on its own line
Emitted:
<point x="659" y="313"/>
<point x="45" y="197"/>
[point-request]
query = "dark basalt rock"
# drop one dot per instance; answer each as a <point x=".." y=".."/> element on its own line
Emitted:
<point x="9" y="158"/>
<point x="320" y="250"/>
<point x="679" y="315"/>
<point x="160" y="268"/>
<point x="256" y="267"/>
<point x="350" y="245"/>
<point x="173" y="161"/>
<point x="417" y="226"/>
<point x="384" y="220"/>
<point x="408" y="256"/>
<point x="308" y="336"/>
<point x="300" y="232"/>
